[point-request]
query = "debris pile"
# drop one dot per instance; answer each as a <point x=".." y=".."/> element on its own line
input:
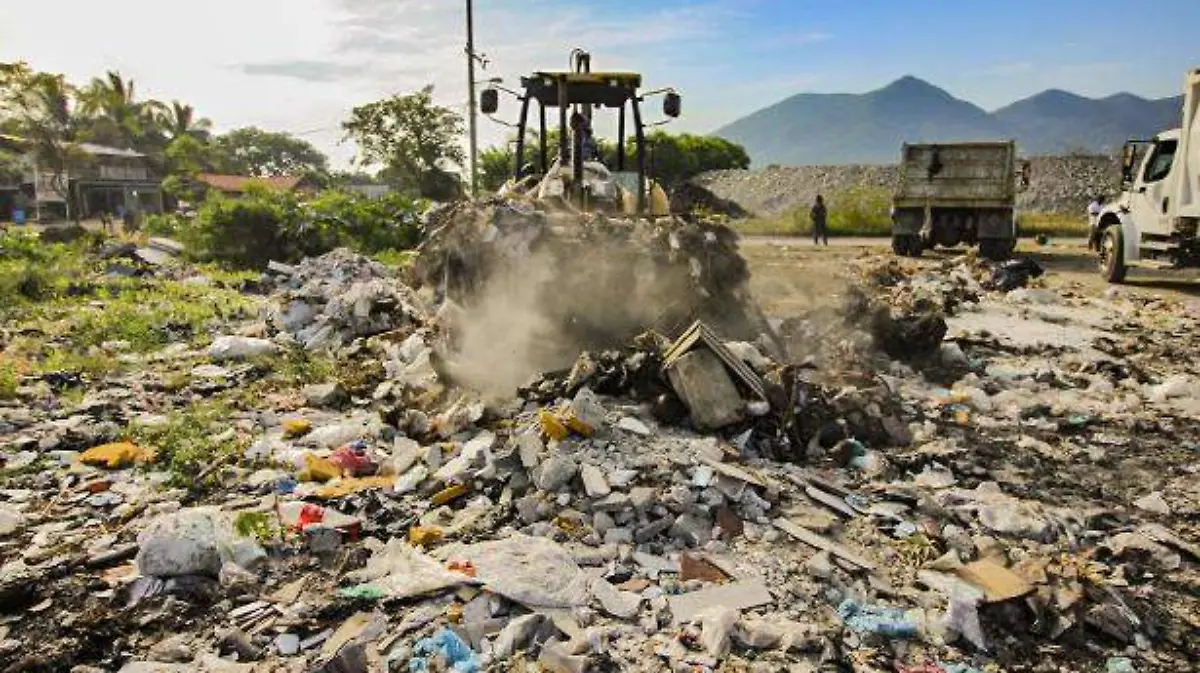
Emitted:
<point x="598" y="280"/>
<point x="684" y="499"/>
<point x="328" y="301"/>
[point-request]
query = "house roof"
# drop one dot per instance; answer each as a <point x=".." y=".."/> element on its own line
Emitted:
<point x="239" y="183"/>
<point x="93" y="149"/>
<point x="105" y="151"/>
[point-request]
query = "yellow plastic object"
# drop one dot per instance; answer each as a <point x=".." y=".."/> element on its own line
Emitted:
<point x="296" y="427"/>
<point x="448" y="494"/>
<point x="117" y="455"/>
<point x="318" y="469"/>
<point x="552" y="426"/>
<point x="345" y="487"/>
<point x="573" y="422"/>
<point x="424" y="536"/>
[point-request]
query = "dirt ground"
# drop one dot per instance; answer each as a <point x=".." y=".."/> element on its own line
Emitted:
<point x="790" y="274"/>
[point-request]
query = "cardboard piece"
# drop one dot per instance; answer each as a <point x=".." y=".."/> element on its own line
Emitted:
<point x="997" y="582"/>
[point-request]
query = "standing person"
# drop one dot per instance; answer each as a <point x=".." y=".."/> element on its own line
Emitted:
<point x="818" y="214"/>
<point x="1093" y="211"/>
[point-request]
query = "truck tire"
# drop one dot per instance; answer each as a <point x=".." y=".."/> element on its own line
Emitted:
<point x="906" y="245"/>
<point x="996" y="249"/>
<point x="1112" y="254"/>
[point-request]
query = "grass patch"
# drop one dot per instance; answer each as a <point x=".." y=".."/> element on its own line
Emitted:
<point x="1052" y="224"/>
<point x="190" y="440"/>
<point x="297" y="367"/>
<point x="10" y="378"/>
<point x="75" y="333"/>
<point x="34" y="271"/>
<point x="396" y="260"/>
<point x="859" y="211"/>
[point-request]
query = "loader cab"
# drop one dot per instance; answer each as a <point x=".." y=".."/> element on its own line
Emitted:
<point x="570" y="102"/>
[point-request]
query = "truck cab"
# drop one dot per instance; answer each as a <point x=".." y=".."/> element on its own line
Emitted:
<point x="1153" y="223"/>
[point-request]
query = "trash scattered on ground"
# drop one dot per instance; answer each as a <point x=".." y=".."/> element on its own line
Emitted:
<point x="966" y="476"/>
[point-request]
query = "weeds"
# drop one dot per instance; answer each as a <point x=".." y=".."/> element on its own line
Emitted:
<point x="10" y="379"/>
<point x="190" y="440"/>
<point x="1052" y="224"/>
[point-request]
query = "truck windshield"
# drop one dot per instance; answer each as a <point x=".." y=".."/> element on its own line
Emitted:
<point x="1160" y="162"/>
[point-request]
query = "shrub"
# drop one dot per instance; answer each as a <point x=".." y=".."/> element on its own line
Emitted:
<point x="33" y="270"/>
<point x="262" y="226"/>
<point x="166" y="224"/>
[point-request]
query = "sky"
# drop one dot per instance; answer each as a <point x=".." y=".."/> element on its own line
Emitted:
<point x="301" y="65"/>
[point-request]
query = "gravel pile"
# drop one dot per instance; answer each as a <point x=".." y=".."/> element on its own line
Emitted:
<point x="1059" y="184"/>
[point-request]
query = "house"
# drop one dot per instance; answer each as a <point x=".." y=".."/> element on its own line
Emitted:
<point x="369" y="191"/>
<point x="236" y="185"/>
<point x="99" y="179"/>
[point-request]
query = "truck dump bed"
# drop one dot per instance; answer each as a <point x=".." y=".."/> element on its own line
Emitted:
<point x="957" y="175"/>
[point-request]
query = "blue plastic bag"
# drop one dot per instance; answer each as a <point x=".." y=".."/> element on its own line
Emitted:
<point x="888" y="622"/>
<point x="446" y="643"/>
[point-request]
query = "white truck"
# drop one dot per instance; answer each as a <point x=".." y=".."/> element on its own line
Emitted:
<point x="1153" y="223"/>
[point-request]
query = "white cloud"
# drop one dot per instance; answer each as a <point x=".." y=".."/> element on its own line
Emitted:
<point x="300" y="65"/>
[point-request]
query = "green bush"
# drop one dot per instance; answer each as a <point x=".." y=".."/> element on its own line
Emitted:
<point x="32" y="270"/>
<point x="262" y="226"/>
<point x="166" y="224"/>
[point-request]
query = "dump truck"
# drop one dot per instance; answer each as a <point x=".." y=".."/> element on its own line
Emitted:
<point x="1153" y="223"/>
<point x="952" y="194"/>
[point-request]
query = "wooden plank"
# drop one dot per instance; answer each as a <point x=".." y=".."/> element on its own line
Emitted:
<point x="831" y="501"/>
<point x="821" y="542"/>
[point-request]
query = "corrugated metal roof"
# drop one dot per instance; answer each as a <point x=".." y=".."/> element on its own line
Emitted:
<point x="102" y="150"/>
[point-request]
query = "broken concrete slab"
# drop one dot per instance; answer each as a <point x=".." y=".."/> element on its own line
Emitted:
<point x="702" y="382"/>
<point x="736" y="595"/>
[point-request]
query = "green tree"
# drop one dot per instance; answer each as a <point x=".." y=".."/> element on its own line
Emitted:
<point x="675" y="159"/>
<point x="186" y="156"/>
<point x="115" y="117"/>
<point x="40" y="108"/>
<point x="670" y="159"/>
<point x="253" y="151"/>
<point x="412" y="139"/>
<point x="178" y="120"/>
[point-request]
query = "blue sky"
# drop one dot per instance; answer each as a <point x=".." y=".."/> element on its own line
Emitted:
<point x="300" y="65"/>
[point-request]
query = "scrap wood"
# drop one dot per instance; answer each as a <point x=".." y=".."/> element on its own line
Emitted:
<point x="820" y="542"/>
<point x="831" y="501"/>
<point x="700" y="333"/>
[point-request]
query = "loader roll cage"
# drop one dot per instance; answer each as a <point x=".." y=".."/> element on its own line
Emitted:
<point x="582" y="91"/>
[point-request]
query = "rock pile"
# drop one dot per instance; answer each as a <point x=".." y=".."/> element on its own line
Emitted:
<point x="328" y="301"/>
<point x="1058" y="185"/>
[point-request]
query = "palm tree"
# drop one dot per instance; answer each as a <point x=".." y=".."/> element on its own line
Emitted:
<point x="179" y="120"/>
<point x="117" y="118"/>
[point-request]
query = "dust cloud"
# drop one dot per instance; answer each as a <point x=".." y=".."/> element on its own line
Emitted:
<point x="537" y="313"/>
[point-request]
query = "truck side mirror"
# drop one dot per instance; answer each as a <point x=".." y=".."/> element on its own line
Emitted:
<point x="489" y="101"/>
<point x="672" y="104"/>
<point x="1127" y="158"/>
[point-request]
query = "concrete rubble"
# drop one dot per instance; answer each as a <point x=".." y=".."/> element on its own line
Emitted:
<point x="938" y="490"/>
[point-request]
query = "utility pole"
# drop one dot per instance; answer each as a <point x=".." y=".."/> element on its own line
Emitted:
<point x="471" y="98"/>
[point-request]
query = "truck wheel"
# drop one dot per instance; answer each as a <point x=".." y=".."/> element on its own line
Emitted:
<point x="900" y="245"/>
<point x="915" y="246"/>
<point x="1112" y="254"/>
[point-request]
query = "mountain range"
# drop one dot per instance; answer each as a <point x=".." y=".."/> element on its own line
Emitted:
<point x="830" y="129"/>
